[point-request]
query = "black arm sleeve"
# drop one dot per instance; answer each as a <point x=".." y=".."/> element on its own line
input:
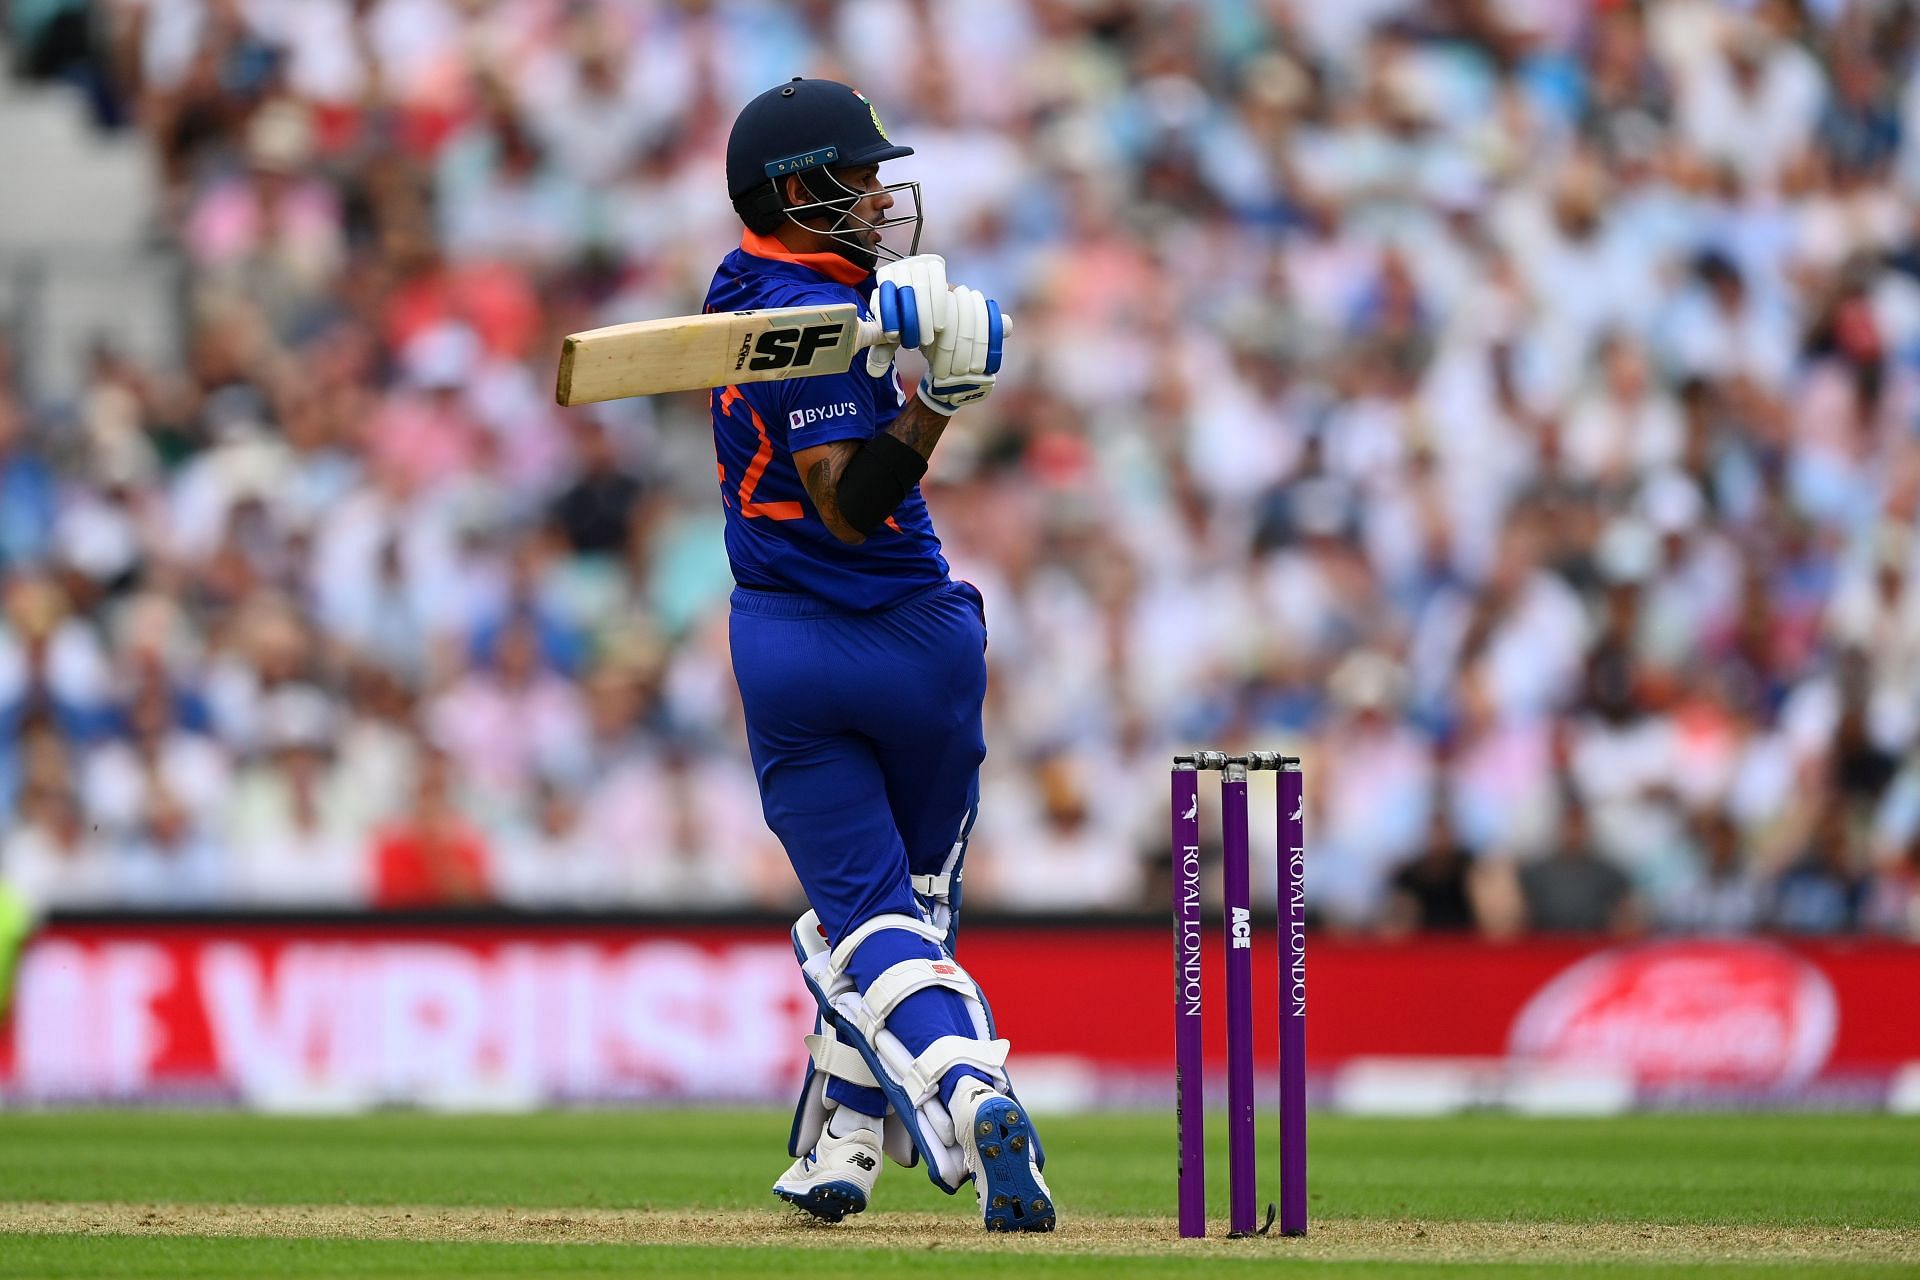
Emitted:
<point x="875" y="481"/>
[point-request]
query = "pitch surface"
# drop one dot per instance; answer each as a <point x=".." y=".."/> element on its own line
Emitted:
<point x="672" y="1193"/>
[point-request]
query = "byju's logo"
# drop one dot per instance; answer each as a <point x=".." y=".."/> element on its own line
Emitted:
<point x="825" y="413"/>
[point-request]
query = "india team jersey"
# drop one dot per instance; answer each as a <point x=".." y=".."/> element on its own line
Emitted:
<point x="775" y="538"/>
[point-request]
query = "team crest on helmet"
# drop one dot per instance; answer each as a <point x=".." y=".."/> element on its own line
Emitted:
<point x="874" y="112"/>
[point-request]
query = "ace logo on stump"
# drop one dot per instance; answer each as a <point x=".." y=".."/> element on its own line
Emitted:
<point x="1242" y="929"/>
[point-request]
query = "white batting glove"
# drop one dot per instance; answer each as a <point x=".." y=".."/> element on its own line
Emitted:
<point x="963" y="359"/>
<point x="911" y="302"/>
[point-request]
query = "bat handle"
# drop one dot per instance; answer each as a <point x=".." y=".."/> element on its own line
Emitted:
<point x="870" y="332"/>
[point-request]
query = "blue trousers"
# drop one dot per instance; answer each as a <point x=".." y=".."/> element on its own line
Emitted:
<point x="866" y="736"/>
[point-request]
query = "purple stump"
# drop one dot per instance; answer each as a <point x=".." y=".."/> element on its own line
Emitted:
<point x="1241" y="1175"/>
<point x="1293" y="1001"/>
<point x="1189" y="1068"/>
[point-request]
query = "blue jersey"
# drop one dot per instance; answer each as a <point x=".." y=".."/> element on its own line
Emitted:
<point x="775" y="538"/>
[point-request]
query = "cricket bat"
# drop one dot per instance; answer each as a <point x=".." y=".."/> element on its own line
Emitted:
<point x="691" y="353"/>
<point x="687" y="353"/>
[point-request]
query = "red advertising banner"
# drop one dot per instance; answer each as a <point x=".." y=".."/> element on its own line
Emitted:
<point x="359" y="1013"/>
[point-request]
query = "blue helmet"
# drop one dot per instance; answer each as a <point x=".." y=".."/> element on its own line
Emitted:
<point x="811" y="128"/>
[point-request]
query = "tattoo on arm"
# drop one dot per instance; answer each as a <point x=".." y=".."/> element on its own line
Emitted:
<point x="822" y="466"/>
<point x="822" y="478"/>
<point x="918" y="427"/>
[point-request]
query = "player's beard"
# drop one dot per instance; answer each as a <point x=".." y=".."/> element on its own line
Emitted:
<point x="848" y="230"/>
<point x="849" y="237"/>
<point x="850" y="243"/>
<point x="850" y="246"/>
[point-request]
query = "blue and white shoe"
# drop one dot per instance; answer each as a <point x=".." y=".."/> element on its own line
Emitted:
<point x="835" y="1178"/>
<point x="996" y="1137"/>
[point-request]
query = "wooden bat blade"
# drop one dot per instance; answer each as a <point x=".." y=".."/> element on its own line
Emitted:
<point x="688" y="353"/>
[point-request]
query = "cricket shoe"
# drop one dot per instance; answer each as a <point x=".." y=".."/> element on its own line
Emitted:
<point x="835" y="1178"/>
<point x="997" y="1140"/>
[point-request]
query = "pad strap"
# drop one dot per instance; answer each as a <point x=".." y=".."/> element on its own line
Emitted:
<point x="903" y="979"/>
<point x="933" y="886"/>
<point x="839" y="1060"/>
<point x="922" y="1079"/>
<point x="843" y="954"/>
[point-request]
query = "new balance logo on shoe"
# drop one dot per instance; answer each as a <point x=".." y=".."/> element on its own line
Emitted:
<point x="862" y="1159"/>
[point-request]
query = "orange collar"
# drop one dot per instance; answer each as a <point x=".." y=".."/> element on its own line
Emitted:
<point x="831" y="265"/>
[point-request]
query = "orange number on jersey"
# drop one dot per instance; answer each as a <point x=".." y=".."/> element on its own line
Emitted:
<point x="756" y="468"/>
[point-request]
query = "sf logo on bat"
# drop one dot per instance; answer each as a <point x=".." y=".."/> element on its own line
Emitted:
<point x="785" y="348"/>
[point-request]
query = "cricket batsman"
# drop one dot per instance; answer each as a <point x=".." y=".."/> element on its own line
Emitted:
<point x="862" y="664"/>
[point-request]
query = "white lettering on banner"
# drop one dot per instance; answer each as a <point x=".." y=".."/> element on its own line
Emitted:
<point x="53" y="1020"/>
<point x="86" y="1025"/>
<point x="131" y="975"/>
<point x="581" y="1070"/>
<point x="430" y="999"/>
<point x="440" y="1022"/>
<point x="547" y="1037"/>
<point x="771" y="1010"/>
<point x="274" y="1040"/>
<point x="279" y="1016"/>
<point x="662" y="1019"/>
<point x="1242" y="929"/>
<point x="686" y="1022"/>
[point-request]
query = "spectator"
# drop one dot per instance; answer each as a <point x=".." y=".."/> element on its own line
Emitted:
<point x="1434" y="890"/>
<point x="1064" y="850"/>
<point x="289" y="822"/>
<point x="1625" y="427"/>
<point x="504" y="724"/>
<point x="27" y="497"/>
<point x="121" y="777"/>
<point x="430" y="856"/>
<point x="1724" y="897"/>
<point x="557" y="862"/>
<point x="1378" y="775"/>
<point x="594" y="511"/>
<point x="1574" y="889"/>
<point x="273" y="233"/>
<point x="376" y="748"/>
<point x="687" y="832"/>
<point x="49" y="861"/>
<point x="169" y="862"/>
<point x="52" y="663"/>
<point x="1821" y="891"/>
<point x="1501" y="420"/>
<point x="1893" y="895"/>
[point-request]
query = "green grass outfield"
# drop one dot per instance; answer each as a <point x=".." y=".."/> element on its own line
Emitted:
<point x="684" y="1193"/>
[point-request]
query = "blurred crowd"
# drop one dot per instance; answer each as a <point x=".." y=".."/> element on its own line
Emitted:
<point x="1507" y="405"/>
